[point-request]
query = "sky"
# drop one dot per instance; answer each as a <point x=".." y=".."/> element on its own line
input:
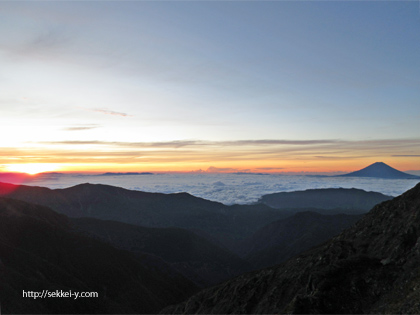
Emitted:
<point x="209" y="86"/>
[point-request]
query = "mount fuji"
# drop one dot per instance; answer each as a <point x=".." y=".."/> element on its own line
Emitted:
<point x="381" y="170"/>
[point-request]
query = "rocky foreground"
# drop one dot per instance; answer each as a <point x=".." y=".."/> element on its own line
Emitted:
<point x="370" y="268"/>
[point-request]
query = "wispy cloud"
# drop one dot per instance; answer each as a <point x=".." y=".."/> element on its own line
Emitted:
<point x="277" y="142"/>
<point x="81" y="127"/>
<point x="111" y="112"/>
<point x="48" y="42"/>
<point x="323" y="149"/>
<point x="202" y="143"/>
<point x="317" y="148"/>
<point x="50" y="38"/>
<point x="215" y="156"/>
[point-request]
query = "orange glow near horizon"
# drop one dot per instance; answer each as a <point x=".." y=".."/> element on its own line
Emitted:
<point x="256" y="156"/>
<point x="32" y="168"/>
<point x="285" y="166"/>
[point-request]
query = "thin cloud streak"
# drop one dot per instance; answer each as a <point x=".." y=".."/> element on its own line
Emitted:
<point x="81" y="128"/>
<point x="110" y="112"/>
<point x="197" y="143"/>
<point x="222" y="154"/>
<point x="315" y="148"/>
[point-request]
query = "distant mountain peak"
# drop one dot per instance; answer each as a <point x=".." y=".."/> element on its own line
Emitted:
<point x="381" y="170"/>
<point x="376" y="164"/>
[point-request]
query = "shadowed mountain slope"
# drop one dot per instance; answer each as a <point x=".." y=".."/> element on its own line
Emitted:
<point x="189" y="254"/>
<point x="288" y="237"/>
<point x="337" y="199"/>
<point x="225" y="225"/>
<point x="381" y="170"/>
<point x="369" y="268"/>
<point x="39" y="251"/>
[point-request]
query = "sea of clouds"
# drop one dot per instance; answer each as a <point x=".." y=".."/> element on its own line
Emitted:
<point x="227" y="188"/>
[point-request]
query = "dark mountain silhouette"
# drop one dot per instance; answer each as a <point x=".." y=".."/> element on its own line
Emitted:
<point x="224" y="225"/>
<point x="341" y="200"/>
<point x="39" y="250"/>
<point x="381" y="170"/>
<point x="288" y="237"/>
<point x="193" y="256"/>
<point x="370" y="268"/>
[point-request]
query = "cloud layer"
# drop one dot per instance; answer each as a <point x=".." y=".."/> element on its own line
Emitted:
<point x="230" y="188"/>
<point x="217" y="156"/>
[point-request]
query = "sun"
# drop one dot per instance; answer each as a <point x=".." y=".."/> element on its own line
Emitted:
<point x="32" y="168"/>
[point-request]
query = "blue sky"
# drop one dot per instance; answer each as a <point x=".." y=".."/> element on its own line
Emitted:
<point x="167" y="84"/>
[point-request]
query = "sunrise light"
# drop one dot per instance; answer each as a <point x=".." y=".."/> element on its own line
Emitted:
<point x="32" y="168"/>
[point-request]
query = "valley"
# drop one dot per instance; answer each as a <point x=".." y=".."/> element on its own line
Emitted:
<point x="175" y="239"/>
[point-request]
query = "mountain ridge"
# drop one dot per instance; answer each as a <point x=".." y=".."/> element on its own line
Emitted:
<point x="39" y="250"/>
<point x="193" y="256"/>
<point x="380" y="170"/>
<point x="226" y="226"/>
<point x="285" y="238"/>
<point x="220" y="223"/>
<point x="346" y="199"/>
<point x="371" y="267"/>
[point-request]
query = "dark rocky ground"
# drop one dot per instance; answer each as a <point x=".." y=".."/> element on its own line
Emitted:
<point x="188" y="241"/>
<point x="373" y="267"/>
<point x="39" y="250"/>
